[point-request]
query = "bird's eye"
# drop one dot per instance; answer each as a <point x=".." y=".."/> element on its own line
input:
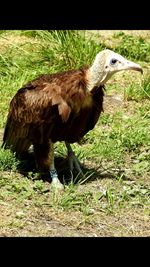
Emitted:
<point x="113" y="61"/>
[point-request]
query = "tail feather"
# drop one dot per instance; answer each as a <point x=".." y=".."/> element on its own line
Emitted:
<point x="15" y="138"/>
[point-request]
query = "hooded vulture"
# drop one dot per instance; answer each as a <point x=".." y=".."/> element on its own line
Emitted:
<point x="60" y="107"/>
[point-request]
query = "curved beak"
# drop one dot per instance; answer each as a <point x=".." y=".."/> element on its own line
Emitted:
<point x="129" y="65"/>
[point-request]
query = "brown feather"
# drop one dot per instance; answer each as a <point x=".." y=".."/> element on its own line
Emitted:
<point x="56" y="107"/>
<point x="60" y="107"/>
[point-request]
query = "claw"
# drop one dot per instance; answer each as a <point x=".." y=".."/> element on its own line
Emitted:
<point x="56" y="184"/>
<point x="73" y="161"/>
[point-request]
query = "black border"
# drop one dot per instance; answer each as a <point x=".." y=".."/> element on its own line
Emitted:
<point x="74" y="15"/>
<point x="74" y="249"/>
<point x="91" y="16"/>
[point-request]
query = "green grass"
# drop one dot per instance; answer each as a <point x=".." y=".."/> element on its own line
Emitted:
<point x="8" y="160"/>
<point x="116" y="154"/>
<point x="52" y="51"/>
<point x="133" y="47"/>
<point x="110" y="200"/>
<point x="140" y="92"/>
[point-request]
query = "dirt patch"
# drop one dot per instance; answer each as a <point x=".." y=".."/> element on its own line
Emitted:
<point x="44" y="221"/>
<point x="108" y="36"/>
<point x="143" y="33"/>
<point x="104" y="34"/>
<point x="8" y="40"/>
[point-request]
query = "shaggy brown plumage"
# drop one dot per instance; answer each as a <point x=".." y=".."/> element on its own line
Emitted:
<point x="56" y="106"/>
<point x="59" y="107"/>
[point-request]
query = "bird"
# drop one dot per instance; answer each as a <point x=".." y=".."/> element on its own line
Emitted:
<point x="61" y="106"/>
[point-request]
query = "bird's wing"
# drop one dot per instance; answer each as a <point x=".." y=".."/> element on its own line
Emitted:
<point x="31" y="107"/>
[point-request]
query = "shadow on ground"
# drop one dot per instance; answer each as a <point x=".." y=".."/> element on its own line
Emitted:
<point x="27" y="167"/>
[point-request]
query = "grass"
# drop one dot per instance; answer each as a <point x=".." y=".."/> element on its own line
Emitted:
<point x="134" y="48"/>
<point x="7" y="160"/>
<point x="114" y="196"/>
<point x="141" y="92"/>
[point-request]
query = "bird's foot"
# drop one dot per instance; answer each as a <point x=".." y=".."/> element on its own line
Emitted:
<point x="56" y="184"/>
<point x="74" y="163"/>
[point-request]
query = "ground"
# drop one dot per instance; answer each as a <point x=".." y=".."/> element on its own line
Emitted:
<point x="112" y="201"/>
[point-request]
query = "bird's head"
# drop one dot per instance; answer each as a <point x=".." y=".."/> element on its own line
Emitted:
<point x="108" y="63"/>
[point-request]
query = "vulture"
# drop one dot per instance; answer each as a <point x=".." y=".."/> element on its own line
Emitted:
<point x="60" y="107"/>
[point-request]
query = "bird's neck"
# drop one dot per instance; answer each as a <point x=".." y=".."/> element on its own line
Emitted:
<point x="95" y="74"/>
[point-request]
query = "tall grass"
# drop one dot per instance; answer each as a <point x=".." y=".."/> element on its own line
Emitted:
<point x="44" y="52"/>
<point x="71" y="48"/>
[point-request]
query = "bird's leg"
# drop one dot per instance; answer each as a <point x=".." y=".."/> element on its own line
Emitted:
<point x="53" y="173"/>
<point x="73" y="161"/>
<point x="44" y="154"/>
